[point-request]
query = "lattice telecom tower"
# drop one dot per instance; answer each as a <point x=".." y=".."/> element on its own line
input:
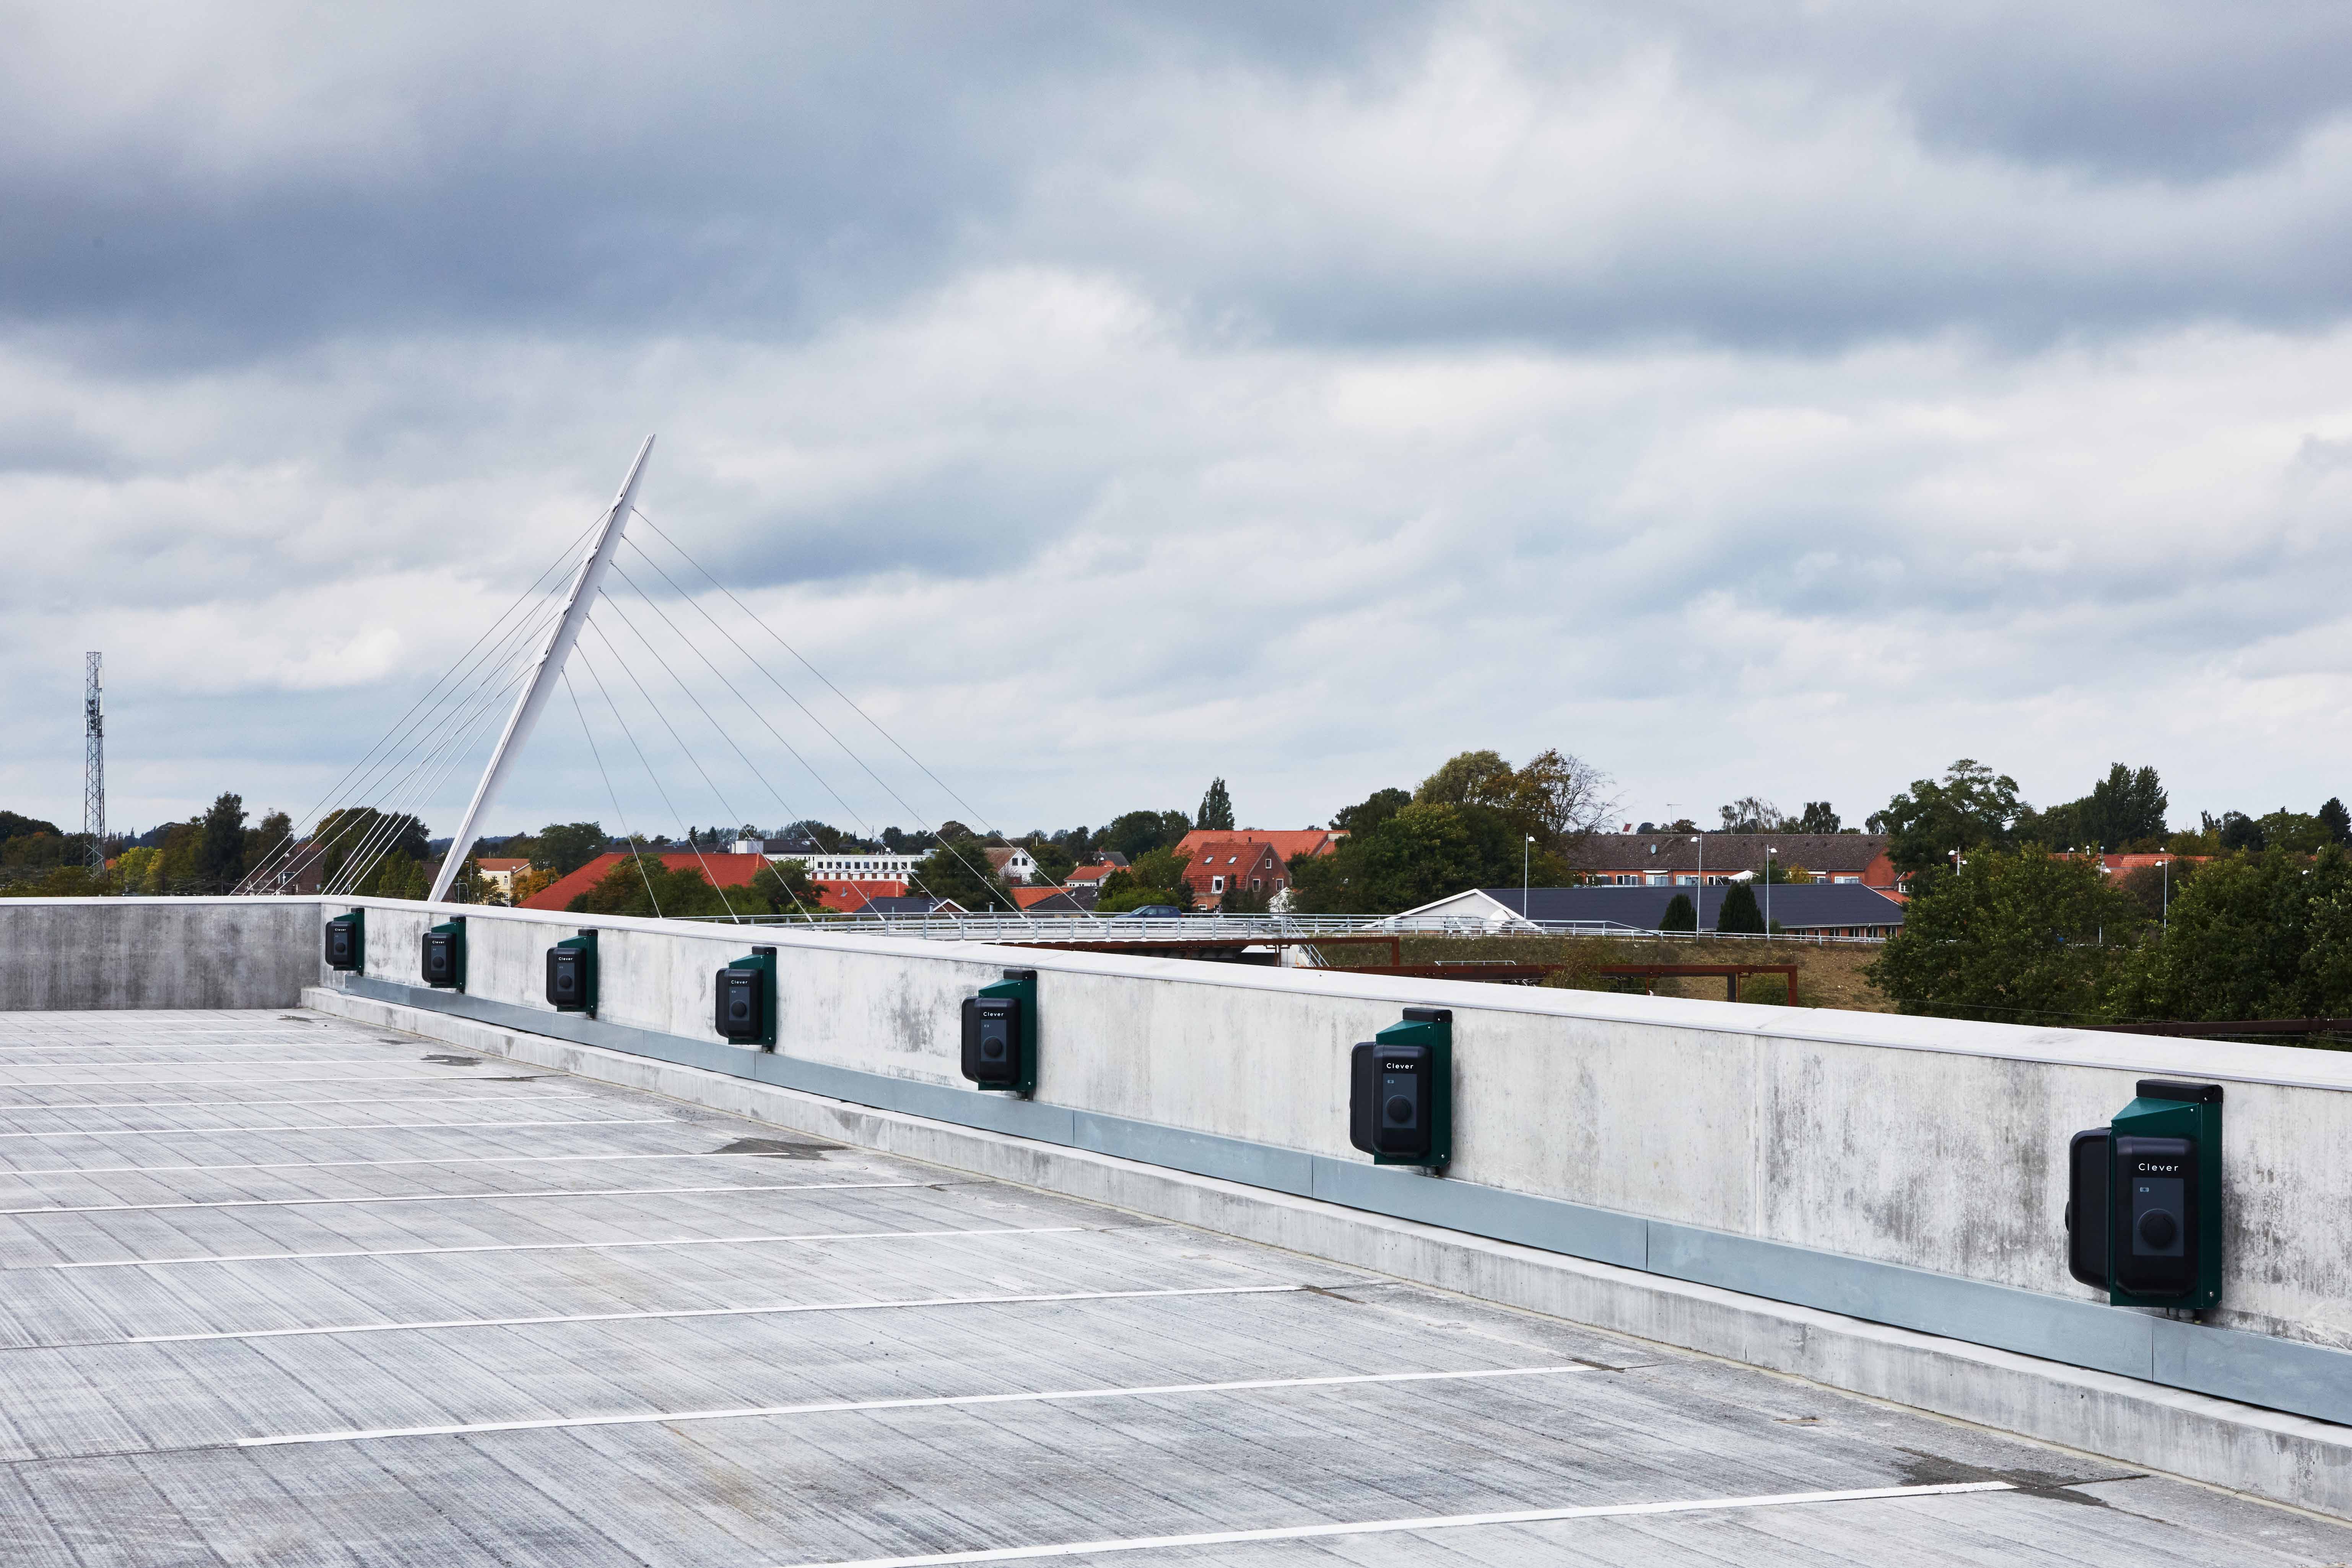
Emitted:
<point x="93" y="772"/>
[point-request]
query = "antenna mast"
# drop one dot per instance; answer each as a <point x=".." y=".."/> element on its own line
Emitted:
<point x="93" y="766"/>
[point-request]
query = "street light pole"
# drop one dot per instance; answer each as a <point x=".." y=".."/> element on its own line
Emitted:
<point x="1698" y="905"/>
<point x="2167" y="864"/>
<point x="1768" y="853"/>
<point x="1527" y="854"/>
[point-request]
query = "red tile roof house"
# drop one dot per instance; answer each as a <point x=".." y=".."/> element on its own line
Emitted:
<point x="1289" y="843"/>
<point x="850" y="895"/>
<point x="724" y="871"/>
<point x="1228" y="864"/>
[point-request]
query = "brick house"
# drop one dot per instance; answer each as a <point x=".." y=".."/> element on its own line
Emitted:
<point x="1221" y="866"/>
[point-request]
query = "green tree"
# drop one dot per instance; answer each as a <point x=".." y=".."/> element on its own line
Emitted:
<point x="643" y="886"/>
<point x="563" y="847"/>
<point x="222" y="856"/>
<point x="1137" y="833"/>
<point x="1427" y="851"/>
<point x="959" y="869"/>
<point x="2285" y="829"/>
<point x="1466" y="778"/>
<point x="359" y="832"/>
<point x="1368" y="814"/>
<point x="1817" y="817"/>
<point x="1216" y="807"/>
<point x="265" y="843"/>
<point x="2017" y="937"/>
<point x="2265" y="935"/>
<point x="1156" y="878"/>
<point x="1740" y="912"/>
<point x="15" y="827"/>
<point x="1054" y="860"/>
<point x="2125" y="807"/>
<point x="785" y="886"/>
<point x="2336" y="820"/>
<point x="1680" y="915"/>
<point x="1969" y="808"/>
<point x="1752" y="814"/>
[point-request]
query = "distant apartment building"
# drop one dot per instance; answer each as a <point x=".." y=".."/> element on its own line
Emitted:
<point x="827" y="867"/>
<point x="1674" y="860"/>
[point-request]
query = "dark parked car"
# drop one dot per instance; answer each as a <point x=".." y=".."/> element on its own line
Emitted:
<point x="1151" y="912"/>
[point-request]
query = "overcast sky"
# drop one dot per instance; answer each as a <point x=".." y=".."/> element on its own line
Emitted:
<point x="1106" y="398"/>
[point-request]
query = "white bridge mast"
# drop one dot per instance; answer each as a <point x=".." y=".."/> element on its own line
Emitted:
<point x="544" y="672"/>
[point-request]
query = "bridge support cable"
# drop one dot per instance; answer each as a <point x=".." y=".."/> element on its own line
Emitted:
<point x="421" y="788"/>
<point x="612" y="794"/>
<point x="865" y="828"/>
<point x="667" y="804"/>
<point x="450" y="719"/>
<point x="920" y="819"/>
<point x="757" y="772"/>
<point x="848" y="701"/>
<point x="392" y="791"/>
<point x="544" y="668"/>
<point x="343" y="788"/>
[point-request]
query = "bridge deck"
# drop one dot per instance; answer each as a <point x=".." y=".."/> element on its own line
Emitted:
<point x="276" y="1288"/>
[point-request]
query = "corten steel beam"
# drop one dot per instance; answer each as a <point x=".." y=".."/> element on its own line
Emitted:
<point x="1732" y="974"/>
<point x="544" y="672"/>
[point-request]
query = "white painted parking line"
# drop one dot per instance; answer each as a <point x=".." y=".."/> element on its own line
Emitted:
<point x="1393" y="1526"/>
<point x="360" y="1164"/>
<point x="765" y="1310"/>
<point x="931" y="1402"/>
<point x="377" y="1046"/>
<point x="805" y="1237"/>
<point x="408" y="1075"/>
<point x="458" y="1197"/>
<point x="339" y="1127"/>
<point x="251" y="1104"/>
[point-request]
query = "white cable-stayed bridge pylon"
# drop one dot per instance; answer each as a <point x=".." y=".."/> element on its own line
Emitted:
<point x="378" y="807"/>
<point x="545" y="671"/>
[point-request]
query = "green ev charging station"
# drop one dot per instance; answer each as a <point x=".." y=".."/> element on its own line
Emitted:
<point x="445" y="955"/>
<point x="1000" y="1035"/>
<point x="745" y="1006"/>
<point x="347" y="941"/>
<point x="2144" y="1199"/>
<point x="571" y="975"/>
<point x="1400" y="1092"/>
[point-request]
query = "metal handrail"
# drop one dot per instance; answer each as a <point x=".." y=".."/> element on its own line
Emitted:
<point x="1143" y="930"/>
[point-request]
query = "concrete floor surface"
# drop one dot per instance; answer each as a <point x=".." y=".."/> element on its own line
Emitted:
<point x="279" y="1288"/>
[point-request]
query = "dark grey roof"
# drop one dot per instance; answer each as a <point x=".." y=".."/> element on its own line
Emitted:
<point x="1815" y="906"/>
<point x="1843" y="854"/>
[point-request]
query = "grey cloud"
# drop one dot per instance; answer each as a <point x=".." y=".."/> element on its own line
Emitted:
<point x="766" y="170"/>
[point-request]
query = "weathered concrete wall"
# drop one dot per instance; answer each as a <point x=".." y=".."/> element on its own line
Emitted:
<point x="1925" y="1143"/>
<point x="91" y="953"/>
<point x="1934" y="1145"/>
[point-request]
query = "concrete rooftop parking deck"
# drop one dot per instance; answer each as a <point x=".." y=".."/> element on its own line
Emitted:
<point x="280" y="1288"/>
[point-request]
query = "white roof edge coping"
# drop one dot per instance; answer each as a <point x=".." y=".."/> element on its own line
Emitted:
<point x="2286" y="1066"/>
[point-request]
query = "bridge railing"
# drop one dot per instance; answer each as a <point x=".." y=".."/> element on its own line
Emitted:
<point x="1143" y="930"/>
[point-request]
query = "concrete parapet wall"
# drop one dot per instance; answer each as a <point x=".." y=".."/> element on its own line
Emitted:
<point x="1928" y="1144"/>
<point x="79" y="954"/>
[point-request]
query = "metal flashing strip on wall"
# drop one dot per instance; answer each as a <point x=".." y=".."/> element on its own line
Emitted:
<point x="2227" y="1363"/>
